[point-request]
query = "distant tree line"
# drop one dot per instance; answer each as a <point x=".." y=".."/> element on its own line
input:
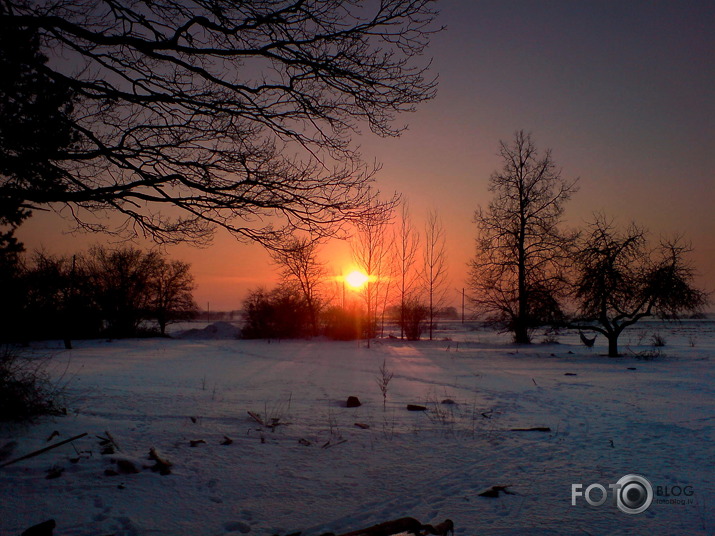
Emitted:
<point x="406" y="285"/>
<point x="121" y="292"/>
<point x="283" y="313"/>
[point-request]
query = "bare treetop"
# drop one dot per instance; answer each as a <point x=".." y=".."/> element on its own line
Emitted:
<point x="517" y="275"/>
<point x="233" y="112"/>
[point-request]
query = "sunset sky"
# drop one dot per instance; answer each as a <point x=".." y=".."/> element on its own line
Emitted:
<point x="622" y="92"/>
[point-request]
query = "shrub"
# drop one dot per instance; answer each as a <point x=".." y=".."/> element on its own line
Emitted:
<point x="26" y="390"/>
<point x="658" y="340"/>
<point x="414" y="316"/>
<point x="342" y="324"/>
<point x="281" y="313"/>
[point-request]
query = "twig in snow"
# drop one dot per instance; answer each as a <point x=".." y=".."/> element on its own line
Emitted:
<point x="43" y="450"/>
<point x="329" y="444"/>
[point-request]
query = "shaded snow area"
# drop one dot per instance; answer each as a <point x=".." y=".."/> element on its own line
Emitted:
<point x="309" y="468"/>
<point x="216" y="330"/>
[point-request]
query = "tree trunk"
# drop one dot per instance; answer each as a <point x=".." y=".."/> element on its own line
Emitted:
<point x="613" y="345"/>
<point x="521" y="332"/>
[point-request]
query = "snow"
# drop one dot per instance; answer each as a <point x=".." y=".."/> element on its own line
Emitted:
<point x="217" y="330"/>
<point x="316" y="471"/>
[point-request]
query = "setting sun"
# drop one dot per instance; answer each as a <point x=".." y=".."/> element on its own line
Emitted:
<point x="356" y="279"/>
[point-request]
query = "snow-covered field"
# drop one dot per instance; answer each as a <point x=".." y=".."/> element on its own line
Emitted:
<point x="316" y="471"/>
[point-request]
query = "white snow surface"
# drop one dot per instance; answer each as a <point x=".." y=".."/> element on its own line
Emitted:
<point x="317" y="472"/>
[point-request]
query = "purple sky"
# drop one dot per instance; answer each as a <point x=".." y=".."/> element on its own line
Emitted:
<point x="622" y="92"/>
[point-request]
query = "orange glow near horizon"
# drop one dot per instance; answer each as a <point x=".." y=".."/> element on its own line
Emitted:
<point x="356" y="279"/>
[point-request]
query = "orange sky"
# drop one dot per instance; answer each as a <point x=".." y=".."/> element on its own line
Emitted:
<point x="621" y="92"/>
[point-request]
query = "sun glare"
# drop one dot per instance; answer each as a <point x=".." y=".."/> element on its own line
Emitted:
<point x="356" y="279"/>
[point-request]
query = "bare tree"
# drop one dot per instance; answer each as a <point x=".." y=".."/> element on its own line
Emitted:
<point x="517" y="275"/>
<point x="435" y="266"/>
<point x="621" y="281"/>
<point x="371" y="254"/>
<point x="121" y="281"/>
<point x="298" y="259"/>
<point x="171" y="289"/>
<point x="231" y="114"/>
<point x="406" y="246"/>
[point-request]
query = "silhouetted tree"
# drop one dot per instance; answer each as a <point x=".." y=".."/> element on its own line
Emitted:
<point x="34" y="127"/>
<point x="59" y="302"/>
<point x="434" y="270"/>
<point x="298" y="259"/>
<point x="281" y="313"/>
<point x="11" y="288"/>
<point x="171" y="289"/>
<point x="229" y="113"/>
<point x="620" y="280"/>
<point x="517" y="275"/>
<point x="122" y="284"/>
<point x="371" y="250"/>
<point x="406" y="244"/>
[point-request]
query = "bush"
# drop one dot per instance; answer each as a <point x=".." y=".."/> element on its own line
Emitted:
<point x="281" y="314"/>
<point x="342" y="324"/>
<point x="26" y="390"/>
<point x="414" y="316"/>
<point x="658" y="340"/>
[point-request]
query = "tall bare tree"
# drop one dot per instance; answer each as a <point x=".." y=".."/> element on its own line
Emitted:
<point x="190" y="115"/>
<point x="516" y="276"/>
<point x="300" y="264"/>
<point x="434" y="270"/>
<point x="371" y="251"/>
<point x="406" y="244"/>
<point x="620" y="280"/>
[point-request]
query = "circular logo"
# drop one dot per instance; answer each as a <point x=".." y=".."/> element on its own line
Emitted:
<point x="634" y="494"/>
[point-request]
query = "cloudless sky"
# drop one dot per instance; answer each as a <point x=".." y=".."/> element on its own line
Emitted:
<point x="623" y="93"/>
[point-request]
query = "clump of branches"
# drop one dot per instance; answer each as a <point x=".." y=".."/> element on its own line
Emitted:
<point x="26" y="389"/>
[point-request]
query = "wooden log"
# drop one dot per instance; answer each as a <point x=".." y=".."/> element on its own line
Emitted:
<point x="43" y="450"/>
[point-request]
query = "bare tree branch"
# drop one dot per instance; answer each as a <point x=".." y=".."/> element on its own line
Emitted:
<point x="191" y="115"/>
